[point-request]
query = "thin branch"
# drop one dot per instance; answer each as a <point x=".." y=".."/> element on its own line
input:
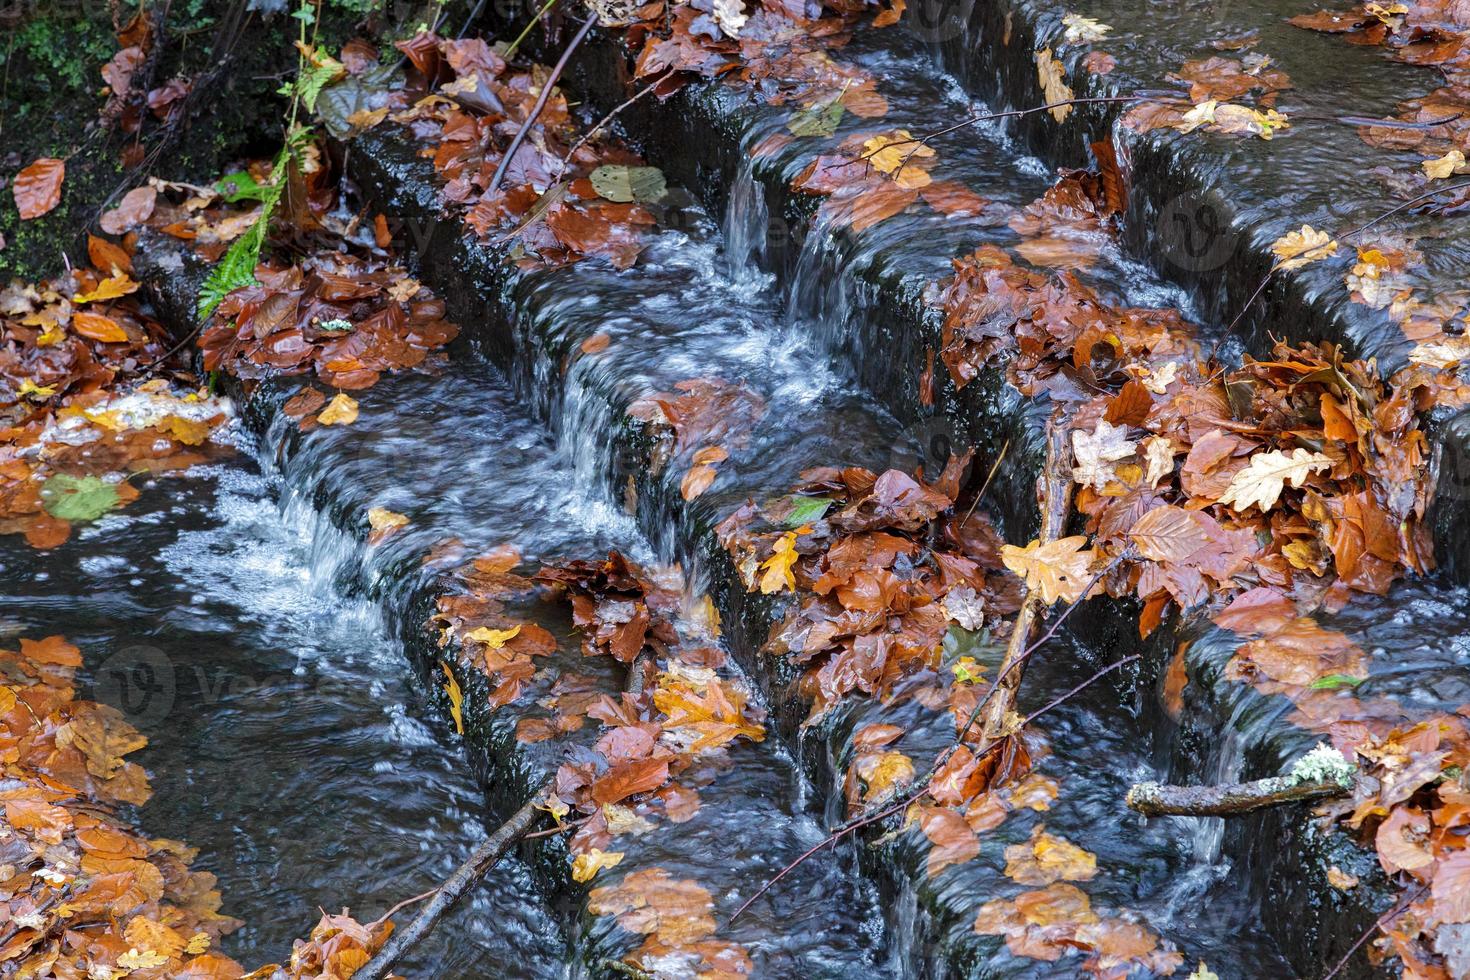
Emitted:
<point x="541" y="100"/>
<point x="1379" y="923"/>
<point x="837" y="836"/>
<point x="609" y="117"/>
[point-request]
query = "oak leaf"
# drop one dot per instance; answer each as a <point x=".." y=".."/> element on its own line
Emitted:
<point x="1261" y="482"/>
<point x="1298" y="248"/>
<point x="1055" y="570"/>
<point x="1094" y="453"/>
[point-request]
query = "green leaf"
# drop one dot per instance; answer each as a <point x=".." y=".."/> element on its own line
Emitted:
<point x="73" y="498"/>
<point x="818" y="120"/>
<point x="623" y="184"/>
<point x="1334" y="681"/>
<point x="804" y="510"/>
<point x="239" y="187"/>
<point x="313" y="79"/>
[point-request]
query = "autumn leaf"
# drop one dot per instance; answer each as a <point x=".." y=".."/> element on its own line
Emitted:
<point x="1053" y="79"/>
<point x="1261" y="482"/>
<point x="341" y="410"/>
<point x="493" y="638"/>
<point x="37" y="188"/>
<point x="1168" y="534"/>
<point x="1452" y="162"/>
<point x="110" y="288"/>
<point x="777" y="568"/>
<point x="1083" y="30"/>
<point x="1056" y="570"/>
<point x="383" y="519"/>
<point x="78" y="498"/>
<point x="136" y="207"/>
<point x="1095" y="452"/>
<point x="95" y="326"/>
<point x="696" y="481"/>
<point x="586" y="865"/>
<point x="456" y="698"/>
<point x="1047" y="858"/>
<point x="890" y="151"/>
<point x="1298" y="248"/>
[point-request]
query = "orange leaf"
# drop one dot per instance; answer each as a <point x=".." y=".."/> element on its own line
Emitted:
<point x="37" y="188"/>
<point x="95" y="326"/>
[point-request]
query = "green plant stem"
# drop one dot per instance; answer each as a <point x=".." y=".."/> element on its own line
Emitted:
<point x="515" y="45"/>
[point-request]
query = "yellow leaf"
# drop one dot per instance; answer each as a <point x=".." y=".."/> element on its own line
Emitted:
<point x="494" y="639"/>
<point x="883" y="773"/>
<point x="198" y="943"/>
<point x="190" y="432"/>
<point x="383" y="519"/>
<point x="52" y="335"/>
<point x="1439" y="169"/>
<point x="1054" y="88"/>
<point x="1261" y="483"/>
<point x="967" y="670"/>
<point x="708" y="616"/>
<point x="141" y="960"/>
<point x="118" y="285"/>
<point x="1084" y="30"/>
<point x="889" y="151"/>
<point x="1057" y="570"/>
<point x="778" y="567"/>
<point x="95" y="326"/>
<point x="29" y="389"/>
<point x="1298" y="248"/>
<point x="585" y="866"/>
<point x="456" y="699"/>
<point x="339" y="411"/>
<point x="1046" y="859"/>
<point x="713" y="712"/>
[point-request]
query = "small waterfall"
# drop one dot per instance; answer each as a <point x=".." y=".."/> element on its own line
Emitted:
<point x="747" y="224"/>
<point x="903" y="932"/>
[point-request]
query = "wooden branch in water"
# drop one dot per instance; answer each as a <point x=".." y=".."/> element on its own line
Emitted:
<point x="1054" y="491"/>
<point x="1159" y="799"/>
<point x="485" y="857"/>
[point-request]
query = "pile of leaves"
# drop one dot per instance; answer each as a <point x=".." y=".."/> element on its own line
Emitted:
<point x="655" y="748"/>
<point x="78" y="415"/>
<point x="698" y="424"/>
<point x="1217" y="85"/>
<point x="85" y="894"/>
<point x="562" y="198"/>
<point x="884" y="568"/>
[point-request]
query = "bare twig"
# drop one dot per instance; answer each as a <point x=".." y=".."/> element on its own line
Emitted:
<point x="1383" y="920"/>
<point x="609" y="118"/>
<point x="541" y="100"/>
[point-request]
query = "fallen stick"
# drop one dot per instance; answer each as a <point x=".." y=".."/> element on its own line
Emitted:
<point x="1321" y="774"/>
<point x="1161" y="800"/>
<point x="1054" y="490"/>
<point x="484" y="857"/>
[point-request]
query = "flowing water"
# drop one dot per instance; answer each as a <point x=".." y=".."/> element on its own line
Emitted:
<point x="279" y="664"/>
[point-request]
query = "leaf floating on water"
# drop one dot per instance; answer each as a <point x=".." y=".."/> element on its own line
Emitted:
<point x="623" y="184"/>
<point x="1083" y="30"/>
<point x="1452" y="162"/>
<point x="341" y="410"/>
<point x="777" y="568"/>
<point x="586" y="865"/>
<point x="493" y="638"/>
<point x="818" y="120"/>
<point x="73" y="498"/>
<point x="1298" y="248"/>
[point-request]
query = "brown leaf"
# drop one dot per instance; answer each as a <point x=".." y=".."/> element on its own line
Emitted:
<point x="37" y="188"/>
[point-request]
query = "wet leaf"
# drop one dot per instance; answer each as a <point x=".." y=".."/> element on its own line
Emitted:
<point x="586" y="865"/>
<point x="341" y="410"/>
<point x="37" y="188"/>
<point x="624" y="184"/>
<point x="777" y="568"/>
<point x="1056" y="570"/>
<point x="1083" y="30"/>
<point x="95" y="326"/>
<point x="818" y="120"/>
<point x="1261" y="482"/>
<point x="1298" y="248"/>
<point x="1452" y="162"/>
<point x="73" y="498"/>
<point x="456" y="698"/>
<point x="1047" y="858"/>
<point x="1054" y="88"/>
<point x="1095" y="452"/>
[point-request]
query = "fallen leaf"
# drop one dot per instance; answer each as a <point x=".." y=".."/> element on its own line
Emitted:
<point x="1261" y="482"/>
<point x="585" y="866"/>
<point x="1056" y="570"/>
<point x="1298" y="248"/>
<point x="341" y="410"/>
<point x="37" y="188"/>
<point x="456" y="698"/>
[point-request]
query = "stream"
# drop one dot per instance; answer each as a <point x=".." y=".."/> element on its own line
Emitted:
<point x="298" y="737"/>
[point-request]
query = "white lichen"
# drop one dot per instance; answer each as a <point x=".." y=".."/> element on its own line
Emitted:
<point x="1322" y="764"/>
